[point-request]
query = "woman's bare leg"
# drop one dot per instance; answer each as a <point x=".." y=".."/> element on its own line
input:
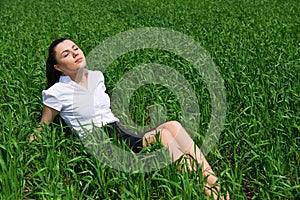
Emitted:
<point x="178" y="141"/>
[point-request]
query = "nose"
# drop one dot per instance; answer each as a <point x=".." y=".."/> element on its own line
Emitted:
<point x="75" y="54"/>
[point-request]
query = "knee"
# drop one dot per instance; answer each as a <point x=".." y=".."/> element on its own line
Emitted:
<point x="170" y="128"/>
<point x="173" y="125"/>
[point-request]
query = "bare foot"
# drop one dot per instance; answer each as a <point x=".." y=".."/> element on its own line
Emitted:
<point x="214" y="191"/>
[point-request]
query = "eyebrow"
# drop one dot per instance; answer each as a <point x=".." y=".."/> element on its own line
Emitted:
<point x="67" y="50"/>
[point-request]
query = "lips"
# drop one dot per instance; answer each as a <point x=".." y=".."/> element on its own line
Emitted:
<point x="78" y="60"/>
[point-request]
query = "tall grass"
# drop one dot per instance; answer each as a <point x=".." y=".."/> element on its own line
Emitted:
<point x="255" y="45"/>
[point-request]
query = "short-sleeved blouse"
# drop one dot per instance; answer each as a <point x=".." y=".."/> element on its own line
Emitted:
<point x="81" y="108"/>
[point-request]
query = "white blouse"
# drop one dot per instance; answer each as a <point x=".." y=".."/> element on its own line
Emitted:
<point x="81" y="108"/>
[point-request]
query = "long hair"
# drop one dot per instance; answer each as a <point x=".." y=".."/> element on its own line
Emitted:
<point x="51" y="73"/>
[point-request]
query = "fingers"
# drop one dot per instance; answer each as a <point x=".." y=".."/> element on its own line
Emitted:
<point x="33" y="137"/>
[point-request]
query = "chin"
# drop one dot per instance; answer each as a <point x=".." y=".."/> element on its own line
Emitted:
<point x="82" y="65"/>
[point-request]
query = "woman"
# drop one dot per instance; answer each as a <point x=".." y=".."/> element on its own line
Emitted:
<point x="66" y="70"/>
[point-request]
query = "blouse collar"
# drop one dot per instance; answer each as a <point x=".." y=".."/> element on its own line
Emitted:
<point x="64" y="79"/>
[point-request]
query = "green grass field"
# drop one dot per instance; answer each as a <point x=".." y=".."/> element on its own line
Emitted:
<point x="256" y="46"/>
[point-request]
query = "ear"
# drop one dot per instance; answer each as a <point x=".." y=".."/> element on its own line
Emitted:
<point x="57" y="67"/>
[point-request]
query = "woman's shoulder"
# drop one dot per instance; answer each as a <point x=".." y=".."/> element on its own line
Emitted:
<point x="57" y="89"/>
<point x="96" y="75"/>
<point x="95" y="72"/>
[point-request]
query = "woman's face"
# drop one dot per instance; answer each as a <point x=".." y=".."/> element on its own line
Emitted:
<point x="69" y="58"/>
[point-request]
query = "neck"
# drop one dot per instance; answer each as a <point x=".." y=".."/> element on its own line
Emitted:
<point x="80" y="77"/>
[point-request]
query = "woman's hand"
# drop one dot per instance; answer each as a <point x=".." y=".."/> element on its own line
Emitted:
<point x="32" y="137"/>
<point x="48" y="116"/>
<point x="36" y="134"/>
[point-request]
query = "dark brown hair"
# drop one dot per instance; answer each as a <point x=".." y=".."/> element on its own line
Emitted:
<point x="51" y="73"/>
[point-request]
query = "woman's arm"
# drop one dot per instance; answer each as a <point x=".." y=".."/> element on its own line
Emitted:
<point x="48" y="116"/>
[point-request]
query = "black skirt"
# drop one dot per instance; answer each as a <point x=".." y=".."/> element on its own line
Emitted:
<point x="116" y="130"/>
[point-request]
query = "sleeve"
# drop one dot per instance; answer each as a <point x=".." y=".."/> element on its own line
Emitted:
<point x="51" y="100"/>
<point x="100" y="80"/>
